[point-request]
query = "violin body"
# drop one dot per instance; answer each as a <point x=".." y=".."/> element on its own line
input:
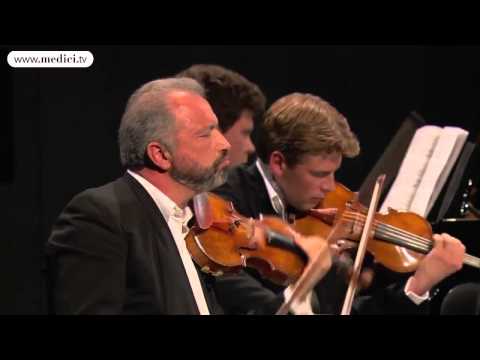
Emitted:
<point x="220" y="243"/>
<point x="350" y="215"/>
<point x="399" y="258"/>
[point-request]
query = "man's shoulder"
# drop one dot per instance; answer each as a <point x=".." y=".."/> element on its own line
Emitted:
<point x="240" y="179"/>
<point x="102" y="193"/>
<point x="103" y="199"/>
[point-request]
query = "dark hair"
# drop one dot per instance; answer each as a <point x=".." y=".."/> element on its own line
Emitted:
<point x="228" y="92"/>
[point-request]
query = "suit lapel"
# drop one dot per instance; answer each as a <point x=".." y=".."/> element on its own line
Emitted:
<point x="180" y="291"/>
<point x="260" y="203"/>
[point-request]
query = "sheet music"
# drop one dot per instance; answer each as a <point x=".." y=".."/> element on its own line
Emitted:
<point x="446" y="153"/>
<point x="414" y="165"/>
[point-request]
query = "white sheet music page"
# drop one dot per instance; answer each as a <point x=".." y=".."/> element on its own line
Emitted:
<point x="444" y="156"/>
<point x="403" y="190"/>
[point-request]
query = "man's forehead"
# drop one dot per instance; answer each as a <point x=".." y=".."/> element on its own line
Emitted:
<point x="190" y="108"/>
<point x="325" y="159"/>
<point x="245" y="120"/>
<point x="246" y="113"/>
<point x="181" y="98"/>
<point x="182" y="102"/>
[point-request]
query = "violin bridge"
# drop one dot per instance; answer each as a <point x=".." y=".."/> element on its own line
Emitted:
<point x="357" y="225"/>
<point x="243" y="260"/>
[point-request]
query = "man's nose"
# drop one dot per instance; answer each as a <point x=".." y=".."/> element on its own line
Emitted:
<point x="329" y="183"/>
<point x="222" y="142"/>
<point x="250" y="147"/>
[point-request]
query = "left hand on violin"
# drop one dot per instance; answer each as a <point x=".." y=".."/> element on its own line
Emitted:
<point x="445" y="258"/>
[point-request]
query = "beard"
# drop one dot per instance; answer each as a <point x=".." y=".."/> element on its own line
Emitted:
<point x="198" y="178"/>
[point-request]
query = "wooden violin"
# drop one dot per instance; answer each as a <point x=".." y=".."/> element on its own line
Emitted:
<point x="221" y="242"/>
<point x="400" y="239"/>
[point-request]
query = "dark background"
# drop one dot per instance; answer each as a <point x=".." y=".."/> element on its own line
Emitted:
<point x="58" y="126"/>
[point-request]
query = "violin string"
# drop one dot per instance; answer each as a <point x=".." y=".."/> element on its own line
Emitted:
<point x="392" y="233"/>
<point x="468" y="259"/>
<point x="396" y="234"/>
<point x="416" y="245"/>
<point x="405" y="237"/>
<point x="399" y="231"/>
<point x="417" y="242"/>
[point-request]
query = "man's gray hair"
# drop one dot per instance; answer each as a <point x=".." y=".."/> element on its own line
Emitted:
<point x="148" y="118"/>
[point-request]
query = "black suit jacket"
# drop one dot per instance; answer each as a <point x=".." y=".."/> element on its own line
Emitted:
<point x="248" y="292"/>
<point x="111" y="252"/>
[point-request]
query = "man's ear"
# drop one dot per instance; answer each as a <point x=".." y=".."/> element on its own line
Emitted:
<point x="159" y="156"/>
<point x="277" y="163"/>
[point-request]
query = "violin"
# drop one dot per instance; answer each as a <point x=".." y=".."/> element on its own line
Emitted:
<point x="312" y="274"/>
<point x="397" y="240"/>
<point x="400" y="239"/>
<point x="221" y="242"/>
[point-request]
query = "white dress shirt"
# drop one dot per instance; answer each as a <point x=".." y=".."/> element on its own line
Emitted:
<point x="177" y="220"/>
<point x="297" y="307"/>
<point x="304" y="308"/>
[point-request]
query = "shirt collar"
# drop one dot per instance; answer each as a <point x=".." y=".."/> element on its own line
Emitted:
<point x="167" y="206"/>
<point x="276" y="199"/>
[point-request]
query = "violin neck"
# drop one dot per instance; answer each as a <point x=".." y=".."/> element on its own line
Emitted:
<point x="416" y="243"/>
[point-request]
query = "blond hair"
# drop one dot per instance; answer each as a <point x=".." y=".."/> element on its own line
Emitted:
<point x="304" y="124"/>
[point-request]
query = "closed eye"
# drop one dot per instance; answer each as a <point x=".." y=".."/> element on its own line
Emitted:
<point x="205" y="133"/>
<point x="319" y="174"/>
